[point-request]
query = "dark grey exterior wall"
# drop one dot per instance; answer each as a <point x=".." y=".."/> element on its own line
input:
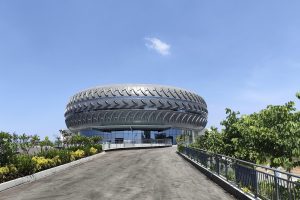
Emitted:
<point x="136" y="106"/>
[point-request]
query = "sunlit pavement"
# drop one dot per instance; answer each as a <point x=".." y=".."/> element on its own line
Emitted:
<point x="128" y="174"/>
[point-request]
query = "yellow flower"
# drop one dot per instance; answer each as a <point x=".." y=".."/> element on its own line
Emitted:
<point x="56" y="160"/>
<point x="245" y="189"/>
<point x="4" y="170"/>
<point x="43" y="163"/>
<point x="77" y="154"/>
<point x="7" y="172"/>
<point x="93" y="150"/>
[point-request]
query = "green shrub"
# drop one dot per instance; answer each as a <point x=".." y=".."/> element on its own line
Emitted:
<point x="8" y="172"/>
<point x="180" y="148"/>
<point x="245" y="189"/>
<point x="65" y="156"/>
<point x="74" y="148"/>
<point x="77" y="154"/>
<point x="42" y="163"/>
<point x="4" y="171"/>
<point x="56" y="160"/>
<point x="87" y="149"/>
<point x="98" y="147"/>
<point x="14" y="165"/>
<point x="93" y="150"/>
<point x="51" y="153"/>
<point x="267" y="191"/>
<point x="24" y="164"/>
<point x="7" y="148"/>
<point x="230" y="175"/>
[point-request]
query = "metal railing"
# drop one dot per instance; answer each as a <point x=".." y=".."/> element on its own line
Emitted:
<point x="138" y="143"/>
<point x="258" y="181"/>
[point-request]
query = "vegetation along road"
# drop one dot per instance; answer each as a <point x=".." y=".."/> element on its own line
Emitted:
<point x="132" y="174"/>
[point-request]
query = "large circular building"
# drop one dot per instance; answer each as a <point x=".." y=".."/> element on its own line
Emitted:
<point x="129" y="112"/>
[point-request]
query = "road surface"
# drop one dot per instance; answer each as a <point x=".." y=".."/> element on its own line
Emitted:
<point x="128" y="174"/>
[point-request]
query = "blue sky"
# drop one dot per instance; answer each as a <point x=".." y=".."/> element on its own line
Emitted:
<point x="238" y="54"/>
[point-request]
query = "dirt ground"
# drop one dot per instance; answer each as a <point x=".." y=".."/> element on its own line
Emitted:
<point x="296" y="170"/>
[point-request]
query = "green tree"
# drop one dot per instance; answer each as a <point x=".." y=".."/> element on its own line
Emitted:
<point x="270" y="135"/>
<point x="45" y="143"/>
<point x="35" y="140"/>
<point x="67" y="135"/>
<point x="24" y="143"/>
<point x="7" y="148"/>
<point x="283" y="134"/>
<point x="58" y="142"/>
<point x="95" y="140"/>
<point x="230" y="133"/>
<point x="211" y="140"/>
<point x="79" y="140"/>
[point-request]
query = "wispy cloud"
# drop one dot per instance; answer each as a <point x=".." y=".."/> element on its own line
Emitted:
<point x="158" y="45"/>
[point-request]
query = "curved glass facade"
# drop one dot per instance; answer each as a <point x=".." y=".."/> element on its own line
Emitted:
<point x="129" y="136"/>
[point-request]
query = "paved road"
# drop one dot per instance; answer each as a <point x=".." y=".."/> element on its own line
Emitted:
<point x="132" y="174"/>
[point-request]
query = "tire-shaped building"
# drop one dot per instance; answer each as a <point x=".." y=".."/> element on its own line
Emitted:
<point x="136" y="111"/>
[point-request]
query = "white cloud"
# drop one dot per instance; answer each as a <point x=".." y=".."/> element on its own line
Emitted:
<point x="158" y="45"/>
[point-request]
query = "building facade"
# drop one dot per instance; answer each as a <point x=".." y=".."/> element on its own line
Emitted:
<point x="136" y="112"/>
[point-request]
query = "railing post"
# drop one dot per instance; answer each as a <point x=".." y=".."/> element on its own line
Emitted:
<point x="210" y="160"/>
<point x="226" y="170"/>
<point x="218" y="165"/>
<point x="289" y="186"/>
<point x="276" y="185"/>
<point x="206" y="160"/>
<point x="193" y="154"/>
<point x="235" y="172"/>
<point x="256" y="184"/>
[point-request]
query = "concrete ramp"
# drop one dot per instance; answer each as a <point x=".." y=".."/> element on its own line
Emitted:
<point x="137" y="174"/>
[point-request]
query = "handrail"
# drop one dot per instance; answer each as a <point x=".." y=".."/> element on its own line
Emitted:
<point x="258" y="181"/>
<point x="249" y="163"/>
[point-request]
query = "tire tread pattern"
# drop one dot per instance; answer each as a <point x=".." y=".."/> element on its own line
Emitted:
<point x="136" y="105"/>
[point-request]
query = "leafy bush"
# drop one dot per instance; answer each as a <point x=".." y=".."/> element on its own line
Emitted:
<point x="267" y="191"/>
<point x="56" y="160"/>
<point x="98" y="147"/>
<point x="24" y="164"/>
<point x="51" y="153"/>
<point x="42" y="163"/>
<point x="65" y="156"/>
<point x="7" y="148"/>
<point x="74" y="148"/>
<point x="7" y="173"/>
<point x="93" y="150"/>
<point x="15" y="164"/>
<point x="246" y="190"/>
<point x="78" y="154"/>
<point x="230" y="175"/>
<point x="86" y="149"/>
<point x="180" y="147"/>
<point x="4" y="171"/>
